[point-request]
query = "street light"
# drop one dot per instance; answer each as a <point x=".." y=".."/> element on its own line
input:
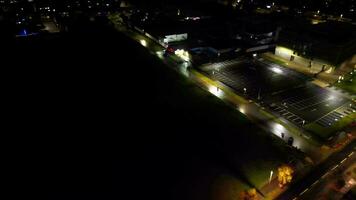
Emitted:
<point x="143" y="43"/>
<point x="270" y="176"/>
<point x="245" y="90"/>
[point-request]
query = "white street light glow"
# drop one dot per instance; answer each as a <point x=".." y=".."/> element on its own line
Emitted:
<point x="242" y="110"/>
<point x="216" y="91"/>
<point x="277" y="70"/>
<point x="182" y="54"/>
<point x="143" y="43"/>
<point x="270" y="176"/>
<point x="331" y="98"/>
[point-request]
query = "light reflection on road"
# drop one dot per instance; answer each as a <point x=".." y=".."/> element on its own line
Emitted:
<point x="216" y="91"/>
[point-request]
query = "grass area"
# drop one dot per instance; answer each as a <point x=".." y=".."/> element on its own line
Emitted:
<point x="227" y="188"/>
<point x="258" y="171"/>
<point x="325" y="132"/>
<point x="347" y="84"/>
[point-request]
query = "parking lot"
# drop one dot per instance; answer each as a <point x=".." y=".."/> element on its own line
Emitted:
<point x="287" y="93"/>
<point x="334" y="116"/>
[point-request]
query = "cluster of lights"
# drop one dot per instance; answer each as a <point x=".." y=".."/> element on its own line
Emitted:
<point x="182" y="54"/>
<point x="192" y="18"/>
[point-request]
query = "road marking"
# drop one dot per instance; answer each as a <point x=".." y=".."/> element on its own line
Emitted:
<point x="325" y="175"/>
<point x="350" y="154"/>
<point x="329" y="112"/>
<point x="343" y="160"/>
<point x="317" y="181"/>
<point x="295" y="198"/>
<point x="303" y="192"/>
<point x="334" y="167"/>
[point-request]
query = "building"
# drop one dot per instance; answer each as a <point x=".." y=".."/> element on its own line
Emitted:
<point x="329" y="42"/>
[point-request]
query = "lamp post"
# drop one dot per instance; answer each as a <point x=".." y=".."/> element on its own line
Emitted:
<point x="270" y="176"/>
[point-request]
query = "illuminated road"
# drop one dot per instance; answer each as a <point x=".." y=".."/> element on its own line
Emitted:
<point x="326" y="185"/>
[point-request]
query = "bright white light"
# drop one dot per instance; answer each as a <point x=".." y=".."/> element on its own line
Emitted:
<point x="278" y="128"/>
<point x="331" y="98"/>
<point x="277" y="70"/>
<point x="182" y="54"/>
<point x="242" y="110"/>
<point x="143" y="43"/>
<point x="255" y="54"/>
<point x="284" y="51"/>
<point x="215" y="91"/>
<point x="268" y="6"/>
<point x="270" y="176"/>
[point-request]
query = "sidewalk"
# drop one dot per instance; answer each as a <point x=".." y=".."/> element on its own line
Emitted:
<point x="323" y="79"/>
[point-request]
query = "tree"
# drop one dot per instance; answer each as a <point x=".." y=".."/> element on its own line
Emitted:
<point x="285" y="175"/>
<point x="250" y="194"/>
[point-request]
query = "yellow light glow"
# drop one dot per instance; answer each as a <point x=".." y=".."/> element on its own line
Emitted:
<point x="284" y="50"/>
<point x="285" y="175"/>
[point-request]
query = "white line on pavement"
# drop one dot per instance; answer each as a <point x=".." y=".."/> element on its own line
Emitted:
<point x="303" y="192"/>
<point x="317" y="181"/>
<point x="343" y="160"/>
<point x="334" y="167"/>
<point x="325" y="175"/>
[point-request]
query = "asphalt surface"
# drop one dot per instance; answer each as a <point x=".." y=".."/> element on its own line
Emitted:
<point x="288" y="93"/>
<point x="327" y="187"/>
